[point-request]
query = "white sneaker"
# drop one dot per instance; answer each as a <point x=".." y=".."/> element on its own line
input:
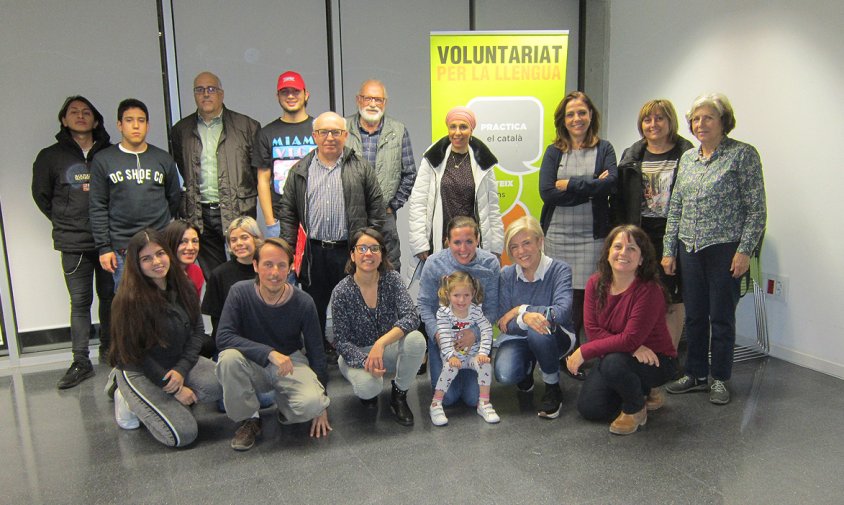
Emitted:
<point x="486" y="411"/>
<point x="124" y="416"/>
<point x="438" y="415"/>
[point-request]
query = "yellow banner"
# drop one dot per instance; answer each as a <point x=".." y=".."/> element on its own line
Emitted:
<point x="513" y="82"/>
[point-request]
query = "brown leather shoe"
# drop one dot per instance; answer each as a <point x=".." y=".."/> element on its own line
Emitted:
<point x="244" y="437"/>
<point x="626" y="424"/>
<point x="655" y="399"/>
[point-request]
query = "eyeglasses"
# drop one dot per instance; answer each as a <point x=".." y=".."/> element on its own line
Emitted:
<point x="333" y="133"/>
<point x="201" y="90"/>
<point x="377" y="100"/>
<point x="363" y="248"/>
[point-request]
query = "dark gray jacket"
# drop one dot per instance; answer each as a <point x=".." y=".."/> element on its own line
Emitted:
<point x="361" y="194"/>
<point x="236" y="178"/>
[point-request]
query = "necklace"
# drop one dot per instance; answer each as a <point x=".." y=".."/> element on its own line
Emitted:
<point x="459" y="165"/>
<point x="261" y="294"/>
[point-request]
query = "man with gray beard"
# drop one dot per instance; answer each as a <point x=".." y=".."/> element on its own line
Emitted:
<point x="385" y="144"/>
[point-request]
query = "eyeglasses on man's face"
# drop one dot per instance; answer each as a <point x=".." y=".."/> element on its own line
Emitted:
<point x="377" y="100"/>
<point x="326" y="133"/>
<point x="363" y="248"/>
<point x="201" y="90"/>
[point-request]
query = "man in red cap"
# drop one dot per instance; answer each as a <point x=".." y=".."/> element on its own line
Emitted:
<point x="280" y="144"/>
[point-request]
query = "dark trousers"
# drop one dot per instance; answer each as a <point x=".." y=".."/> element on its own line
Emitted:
<point x="711" y="295"/>
<point x="391" y="237"/>
<point x="324" y="268"/>
<point x="577" y="301"/>
<point x="212" y="240"/>
<point x="81" y="270"/>
<point x="620" y="383"/>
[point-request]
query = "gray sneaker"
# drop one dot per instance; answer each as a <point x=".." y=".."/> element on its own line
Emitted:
<point x="718" y="393"/>
<point x="686" y="384"/>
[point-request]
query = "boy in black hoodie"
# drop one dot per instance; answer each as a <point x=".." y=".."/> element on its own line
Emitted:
<point x="60" y="183"/>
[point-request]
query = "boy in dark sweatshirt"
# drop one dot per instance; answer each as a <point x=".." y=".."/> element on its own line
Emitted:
<point x="134" y="185"/>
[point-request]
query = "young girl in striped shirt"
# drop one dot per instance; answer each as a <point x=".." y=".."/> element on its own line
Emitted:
<point x="460" y="310"/>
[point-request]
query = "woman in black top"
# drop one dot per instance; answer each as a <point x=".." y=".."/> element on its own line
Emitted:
<point x="157" y="333"/>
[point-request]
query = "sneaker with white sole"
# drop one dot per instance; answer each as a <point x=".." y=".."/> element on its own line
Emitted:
<point x="124" y="416"/>
<point x="718" y="393"/>
<point x="486" y="411"/>
<point x="438" y="415"/>
<point x="687" y="384"/>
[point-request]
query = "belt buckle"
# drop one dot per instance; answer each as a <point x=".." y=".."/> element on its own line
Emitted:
<point x="329" y="244"/>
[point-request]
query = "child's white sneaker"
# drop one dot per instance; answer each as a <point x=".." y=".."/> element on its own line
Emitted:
<point x="486" y="411"/>
<point x="124" y="416"/>
<point x="438" y="415"/>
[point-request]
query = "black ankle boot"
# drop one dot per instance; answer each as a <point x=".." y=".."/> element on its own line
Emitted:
<point x="398" y="404"/>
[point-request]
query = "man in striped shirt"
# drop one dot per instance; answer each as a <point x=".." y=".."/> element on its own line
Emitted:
<point x="331" y="192"/>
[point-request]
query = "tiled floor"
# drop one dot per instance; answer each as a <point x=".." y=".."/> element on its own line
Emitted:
<point x="780" y="441"/>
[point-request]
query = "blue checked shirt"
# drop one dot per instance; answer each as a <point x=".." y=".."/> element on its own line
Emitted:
<point x="326" y="205"/>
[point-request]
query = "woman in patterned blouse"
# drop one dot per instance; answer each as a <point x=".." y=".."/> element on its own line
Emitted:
<point x="715" y="220"/>
<point x="375" y="326"/>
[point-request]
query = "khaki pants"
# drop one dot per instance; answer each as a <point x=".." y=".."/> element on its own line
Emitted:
<point x="299" y="396"/>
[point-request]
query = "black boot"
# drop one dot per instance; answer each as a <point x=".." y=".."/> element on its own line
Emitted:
<point x="398" y="404"/>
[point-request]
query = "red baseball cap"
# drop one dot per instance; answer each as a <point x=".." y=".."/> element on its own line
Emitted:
<point x="291" y="79"/>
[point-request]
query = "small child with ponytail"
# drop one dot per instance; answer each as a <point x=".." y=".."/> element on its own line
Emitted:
<point x="460" y="310"/>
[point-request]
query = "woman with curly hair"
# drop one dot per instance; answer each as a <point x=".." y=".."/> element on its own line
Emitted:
<point x="624" y="317"/>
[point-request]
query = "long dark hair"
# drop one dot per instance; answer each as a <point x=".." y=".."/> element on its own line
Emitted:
<point x="138" y="311"/>
<point x="648" y="271"/>
<point x="563" y="139"/>
<point x="173" y="234"/>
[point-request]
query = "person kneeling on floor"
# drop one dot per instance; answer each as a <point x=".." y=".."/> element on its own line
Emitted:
<point x="262" y="330"/>
<point x="157" y="334"/>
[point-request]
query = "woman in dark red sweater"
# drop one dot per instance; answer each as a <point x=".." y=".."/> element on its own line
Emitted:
<point x="624" y="317"/>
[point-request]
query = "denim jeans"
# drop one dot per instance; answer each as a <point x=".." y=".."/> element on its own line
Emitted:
<point x="516" y="357"/>
<point x="81" y="270"/>
<point x="463" y="388"/>
<point x="118" y="272"/>
<point x="711" y="295"/>
<point x="620" y="383"/>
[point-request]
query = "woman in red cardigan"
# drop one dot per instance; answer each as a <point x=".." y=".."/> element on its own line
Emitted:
<point x="624" y="317"/>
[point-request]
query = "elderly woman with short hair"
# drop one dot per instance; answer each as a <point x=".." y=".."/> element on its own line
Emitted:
<point x="535" y="299"/>
<point x="715" y="220"/>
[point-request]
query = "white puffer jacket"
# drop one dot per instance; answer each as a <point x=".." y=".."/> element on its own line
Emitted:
<point x="425" y="217"/>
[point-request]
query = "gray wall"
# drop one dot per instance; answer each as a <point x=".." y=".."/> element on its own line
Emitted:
<point x="779" y="62"/>
<point x="109" y="51"/>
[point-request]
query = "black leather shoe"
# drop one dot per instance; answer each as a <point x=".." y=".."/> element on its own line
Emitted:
<point x="80" y="370"/>
<point x="399" y="406"/>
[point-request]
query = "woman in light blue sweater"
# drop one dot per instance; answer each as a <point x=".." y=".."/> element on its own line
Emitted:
<point x="462" y="255"/>
<point x="535" y="298"/>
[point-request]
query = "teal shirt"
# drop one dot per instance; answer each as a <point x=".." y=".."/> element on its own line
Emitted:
<point x="209" y="133"/>
<point x="717" y="201"/>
